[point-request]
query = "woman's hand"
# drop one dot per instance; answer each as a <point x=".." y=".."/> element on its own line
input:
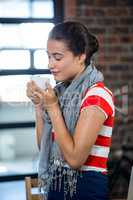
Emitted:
<point x="34" y="93"/>
<point x="38" y="96"/>
<point x="49" y="97"/>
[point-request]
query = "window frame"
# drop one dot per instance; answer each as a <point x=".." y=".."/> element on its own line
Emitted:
<point x="58" y="17"/>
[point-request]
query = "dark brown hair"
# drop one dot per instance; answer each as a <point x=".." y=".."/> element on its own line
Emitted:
<point x="77" y="38"/>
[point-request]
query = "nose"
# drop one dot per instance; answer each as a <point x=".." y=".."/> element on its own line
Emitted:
<point x="52" y="63"/>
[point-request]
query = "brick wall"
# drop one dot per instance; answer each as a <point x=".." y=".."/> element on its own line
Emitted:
<point x="112" y="22"/>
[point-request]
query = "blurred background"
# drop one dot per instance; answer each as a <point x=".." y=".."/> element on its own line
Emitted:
<point x="24" y="27"/>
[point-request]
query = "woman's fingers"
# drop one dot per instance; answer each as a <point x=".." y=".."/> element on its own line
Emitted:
<point x="37" y="98"/>
<point x="50" y="97"/>
<point x="34" y="93"/>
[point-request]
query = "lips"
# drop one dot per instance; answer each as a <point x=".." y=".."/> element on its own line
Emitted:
<point x="54" y="72"/>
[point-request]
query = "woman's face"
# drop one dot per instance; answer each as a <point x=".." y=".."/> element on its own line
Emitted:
<point x="63" y="64"/>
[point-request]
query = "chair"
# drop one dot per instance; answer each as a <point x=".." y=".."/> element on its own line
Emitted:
<point x="30" y="184"/>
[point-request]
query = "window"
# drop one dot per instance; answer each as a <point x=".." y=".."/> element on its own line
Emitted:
<point x="24" y="28"/>
<point x="16" y="59"/>
<point x="19" y="43"/>
<point x="27" y="8"/>
<point x="24" y="35"/>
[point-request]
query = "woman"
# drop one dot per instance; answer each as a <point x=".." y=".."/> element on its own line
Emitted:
<point x="74" y="120"/>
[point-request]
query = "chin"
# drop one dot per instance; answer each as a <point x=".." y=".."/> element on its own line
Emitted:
<point x="60" y="79"/>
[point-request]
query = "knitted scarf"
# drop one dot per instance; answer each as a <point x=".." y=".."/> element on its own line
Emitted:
<point x="51" y="163"/>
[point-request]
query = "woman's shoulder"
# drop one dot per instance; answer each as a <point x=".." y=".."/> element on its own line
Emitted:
<point x="100" y="86"/>
<point x="99" y="95"/>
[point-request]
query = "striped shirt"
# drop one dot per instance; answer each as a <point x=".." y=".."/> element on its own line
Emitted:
<point x="102" y="97"/>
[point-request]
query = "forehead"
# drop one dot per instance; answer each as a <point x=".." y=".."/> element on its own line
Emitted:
<point x="56" y="45"/>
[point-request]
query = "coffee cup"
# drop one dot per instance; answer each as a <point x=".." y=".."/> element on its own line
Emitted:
<point x="40" y="81"/>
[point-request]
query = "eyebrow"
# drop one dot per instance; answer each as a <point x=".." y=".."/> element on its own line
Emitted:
<point x="54" y="53"/>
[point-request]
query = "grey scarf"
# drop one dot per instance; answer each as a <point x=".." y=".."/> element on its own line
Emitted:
<point x="51" y="164"/>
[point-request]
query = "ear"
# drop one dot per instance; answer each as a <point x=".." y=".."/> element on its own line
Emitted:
<point x="82" y="58"/>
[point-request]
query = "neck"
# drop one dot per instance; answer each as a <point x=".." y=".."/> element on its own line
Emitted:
<point x="77" y="75"/>
<point x="80" y="72"/>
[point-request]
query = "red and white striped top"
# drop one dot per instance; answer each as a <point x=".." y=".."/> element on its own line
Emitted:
<point x="102" y="97"/>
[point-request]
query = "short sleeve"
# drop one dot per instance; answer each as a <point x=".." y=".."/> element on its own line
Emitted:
<point x="100" y="97"/>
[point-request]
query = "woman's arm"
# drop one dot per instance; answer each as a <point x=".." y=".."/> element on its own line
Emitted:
<point x="39" y="124"/>
<point x="76" y="147"/>
<point x="36" y="96"/>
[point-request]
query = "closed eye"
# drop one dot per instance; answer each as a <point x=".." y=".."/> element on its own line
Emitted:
<point x="58" y="56"/>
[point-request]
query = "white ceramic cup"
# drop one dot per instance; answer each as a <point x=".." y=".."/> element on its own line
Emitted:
<point x="40" y="81"/>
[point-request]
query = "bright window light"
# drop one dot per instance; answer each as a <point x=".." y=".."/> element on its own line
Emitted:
<point x="10" y="36"/>
<point x="41" y="59"/>
<point x="14" y="8"/>
<point x="27" y="8"/>
<point x="14" y="88"/>
<point x="25" y="35"/>
<point x="14" y="59"/>
<point x="3" y="169"/>
<point x="42" y="9"/>
<point x="34" y="35"/>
